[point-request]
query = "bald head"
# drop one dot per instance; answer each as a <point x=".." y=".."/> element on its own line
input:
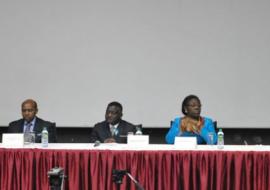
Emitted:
<point x="30" y="101"/>
<point x="29" y="109"/>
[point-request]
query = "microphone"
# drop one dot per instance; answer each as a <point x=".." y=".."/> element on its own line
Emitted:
<point x="119" y="172"/>
<point x="97" y="143"/>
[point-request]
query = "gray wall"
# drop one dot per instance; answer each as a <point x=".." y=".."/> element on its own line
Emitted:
<point x="74" y="57"/>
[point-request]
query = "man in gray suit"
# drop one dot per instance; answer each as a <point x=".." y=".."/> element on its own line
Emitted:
<point x="31" y="123"/>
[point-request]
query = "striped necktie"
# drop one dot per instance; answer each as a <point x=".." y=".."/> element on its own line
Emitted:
<point x="28" y="128"/>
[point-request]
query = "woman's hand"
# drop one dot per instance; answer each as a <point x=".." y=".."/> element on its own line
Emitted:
<point x="190" y="125"/>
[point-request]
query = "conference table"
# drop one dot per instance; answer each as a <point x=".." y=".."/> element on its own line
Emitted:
<point x="155" y="167"/>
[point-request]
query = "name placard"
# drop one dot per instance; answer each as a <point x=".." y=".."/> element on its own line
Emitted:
<point x="12" y="140"/>
<point x="185" y="142"/>
<point x="138" y="139"/>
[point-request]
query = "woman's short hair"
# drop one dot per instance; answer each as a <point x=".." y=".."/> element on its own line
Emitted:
<point x="186" y="102"/>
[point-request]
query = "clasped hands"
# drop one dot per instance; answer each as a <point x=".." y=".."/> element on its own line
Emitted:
<point x="109" y="140"/>
<point x="192" y="129"/>
<point x="189" y="126"/>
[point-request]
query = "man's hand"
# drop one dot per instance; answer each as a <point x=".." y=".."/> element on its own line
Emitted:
<point x="109" y="140"/>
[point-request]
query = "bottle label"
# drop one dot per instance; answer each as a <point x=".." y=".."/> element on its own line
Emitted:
<point x="44" y="138"/>
<point x="220" y="137"/>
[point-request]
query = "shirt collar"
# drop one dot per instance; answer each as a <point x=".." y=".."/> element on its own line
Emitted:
<point x="32" y="122"/>
<point x="115" y="125"/>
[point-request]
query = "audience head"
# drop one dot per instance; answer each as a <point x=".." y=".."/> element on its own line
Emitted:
<point x="113" y="113"/>
<point x="29" y="109"/>
<point x="191" y="106"/>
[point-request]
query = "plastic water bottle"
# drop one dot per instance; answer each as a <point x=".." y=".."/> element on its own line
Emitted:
<point x="44" y="137"/>
<point x="220" y="139"/>
<point x="138" y="130"/>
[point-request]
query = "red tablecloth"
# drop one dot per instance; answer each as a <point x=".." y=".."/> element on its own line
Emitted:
<point x="26" y="169"/>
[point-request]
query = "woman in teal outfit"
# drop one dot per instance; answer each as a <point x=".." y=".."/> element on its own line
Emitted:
<point x="192" y="124"/>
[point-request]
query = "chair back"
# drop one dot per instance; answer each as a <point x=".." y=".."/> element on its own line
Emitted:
<point x="215" y="126"/>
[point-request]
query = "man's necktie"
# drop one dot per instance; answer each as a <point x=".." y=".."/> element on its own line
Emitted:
<point x="28" y="128"/>
<point x="112" y="130"/>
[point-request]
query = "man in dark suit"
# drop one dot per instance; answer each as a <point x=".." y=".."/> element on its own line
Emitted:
<point x="31" y="123"/>
<point x="113" y="129"/>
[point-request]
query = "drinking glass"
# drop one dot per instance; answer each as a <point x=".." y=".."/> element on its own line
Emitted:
<point x="29" y="138"/>
<point x="210" y="137"/>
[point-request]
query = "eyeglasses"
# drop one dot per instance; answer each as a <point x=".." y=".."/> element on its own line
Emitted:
<point x="194" y="105"/>
<point x="28" y="110"/>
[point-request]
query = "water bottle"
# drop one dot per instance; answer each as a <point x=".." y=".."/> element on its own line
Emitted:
<point x="220" y="139"/>
<point x="138" y="130"/>
<point x="44" y="137"/>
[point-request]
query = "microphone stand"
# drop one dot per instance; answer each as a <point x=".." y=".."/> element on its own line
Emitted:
<point x="118" y="179"/>
<point x="137" y="184"/>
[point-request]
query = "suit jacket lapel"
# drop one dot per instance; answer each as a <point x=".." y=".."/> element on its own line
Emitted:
<point x="21" y="126"/>
<point x="120" y="128"/>
<point x="38" y="126"/>
<point x="107" y="131"/>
